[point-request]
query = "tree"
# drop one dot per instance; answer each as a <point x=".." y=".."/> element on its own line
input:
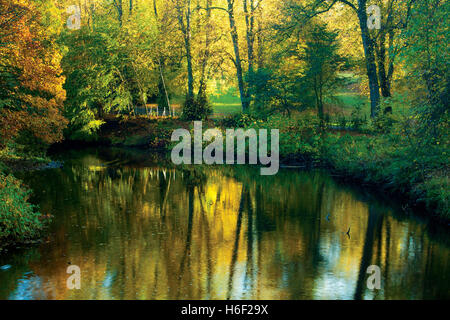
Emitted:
<point x="31" y="93"/>
<point x="119" y="7"/>
<point x="250" y="8"/>
<point x="206" y="54"/>
<point x="304" y="12"/>
<point x="322" y="63"/>
<point x="184" y="12"/>
<point x="237" y="57"/>
<point x="381" y="47"/>
<point x="387" y="41"/>
<point x="426" y="59"/>
<point x="108" y="70"/>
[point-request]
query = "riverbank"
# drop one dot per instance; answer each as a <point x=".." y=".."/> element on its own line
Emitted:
<point x="21" y="222"/>
<point x="390" y="161"/>
<point x="385" y="161"/>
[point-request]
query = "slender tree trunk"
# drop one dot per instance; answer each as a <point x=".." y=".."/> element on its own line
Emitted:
<point x="203" y="78"/>
<point x="370" y="58"/>
<point x="186" y="30"/>
<point x="189" y="51"/>
<point x="381" y="60"/>
<point x="391" y="60"/>
<point x="161" y="66"/>
<point x="250" y="25"/>
<point x="119" y="7"/>
<point x="238" y="62"/>
<point x="92" y="13"/>
<point x="259" y="35"/>
<point x="319" y="105"/>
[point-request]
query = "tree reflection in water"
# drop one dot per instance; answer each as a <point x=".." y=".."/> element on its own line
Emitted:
<point x="140" y="229"/>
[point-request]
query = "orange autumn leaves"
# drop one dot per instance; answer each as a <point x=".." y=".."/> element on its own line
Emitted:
<point x="30" y="71"/>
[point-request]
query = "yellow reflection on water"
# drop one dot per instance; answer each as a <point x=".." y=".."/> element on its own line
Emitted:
<point x="211" y="233"/>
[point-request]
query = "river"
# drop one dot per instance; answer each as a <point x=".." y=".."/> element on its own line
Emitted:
<point x="140" y="228"/>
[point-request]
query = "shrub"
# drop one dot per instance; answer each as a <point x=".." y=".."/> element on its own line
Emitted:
<point x="383" y="123"/>
<point x="342" y="121"/>
<point x="19" y="220"/>
<point x="239" y="120"/>
<point x="195" y="109"/>
<point x="358" y="119"/>
<point x="29" y="145"/>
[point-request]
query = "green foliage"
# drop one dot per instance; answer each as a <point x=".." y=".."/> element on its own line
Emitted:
<point x="358" y="119"/>
<point x="299" y="135"/>
<point x="302" y="71"/>
<point x="273" y="92"/>
<point x="399" y="159"/>
<point x="342" y="121"/>
<point x="29" y="145"/>
<point x="426" y="61"/>
<point x="3" y="168"/>
<point x="322" y="64"/>
<point x="390" y="160"/>
<point x="239" y="120"/>
<point x="161" y="98"/>
<point x="19" y="220"/>
<point x="93" y="83"/>
<point x="383" y="123"/>
<point x="109" y="69"/>
<point x="197" y="108"/>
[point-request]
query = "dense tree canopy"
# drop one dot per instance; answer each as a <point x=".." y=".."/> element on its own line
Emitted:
<point x="280" y="56"/>
<point x="31" y="93"/>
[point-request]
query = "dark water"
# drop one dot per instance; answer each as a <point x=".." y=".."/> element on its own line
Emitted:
<point x="139" y="229"/>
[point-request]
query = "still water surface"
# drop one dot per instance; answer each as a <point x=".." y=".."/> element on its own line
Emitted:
<point x="141" y="229"/>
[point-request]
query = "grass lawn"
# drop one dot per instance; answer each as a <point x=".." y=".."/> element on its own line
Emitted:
<point x="343" y="102"/>
<point x="225" y="105"/>
<point x="347" y="102"/>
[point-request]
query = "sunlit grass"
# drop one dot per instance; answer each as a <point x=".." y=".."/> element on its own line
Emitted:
<point x="225" y="105"/>
<point x="348" y="101"/>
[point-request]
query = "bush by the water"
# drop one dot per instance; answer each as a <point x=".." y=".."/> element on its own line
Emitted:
<point x="195" y="109"/>
<point x="20" y="221"/>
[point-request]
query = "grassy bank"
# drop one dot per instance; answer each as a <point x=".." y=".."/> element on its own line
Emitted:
<point x="394" y="161"/>
<point x="387" y="160"/>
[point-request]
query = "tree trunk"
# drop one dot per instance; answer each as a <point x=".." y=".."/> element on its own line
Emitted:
<point x="189" y="51"/>
<point x="119" y="11"/>
<point x="186" y="30"/>
<point x="238" y="62"/>
<point x="370" y="59"/>
<point x="391" y="61"/>
<point x="259" y="35"/>
<point x="203" y="78"/>
<point x="381" y="60"/>
<point x="161" y="67"/>
<point x="250" y="23"/>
